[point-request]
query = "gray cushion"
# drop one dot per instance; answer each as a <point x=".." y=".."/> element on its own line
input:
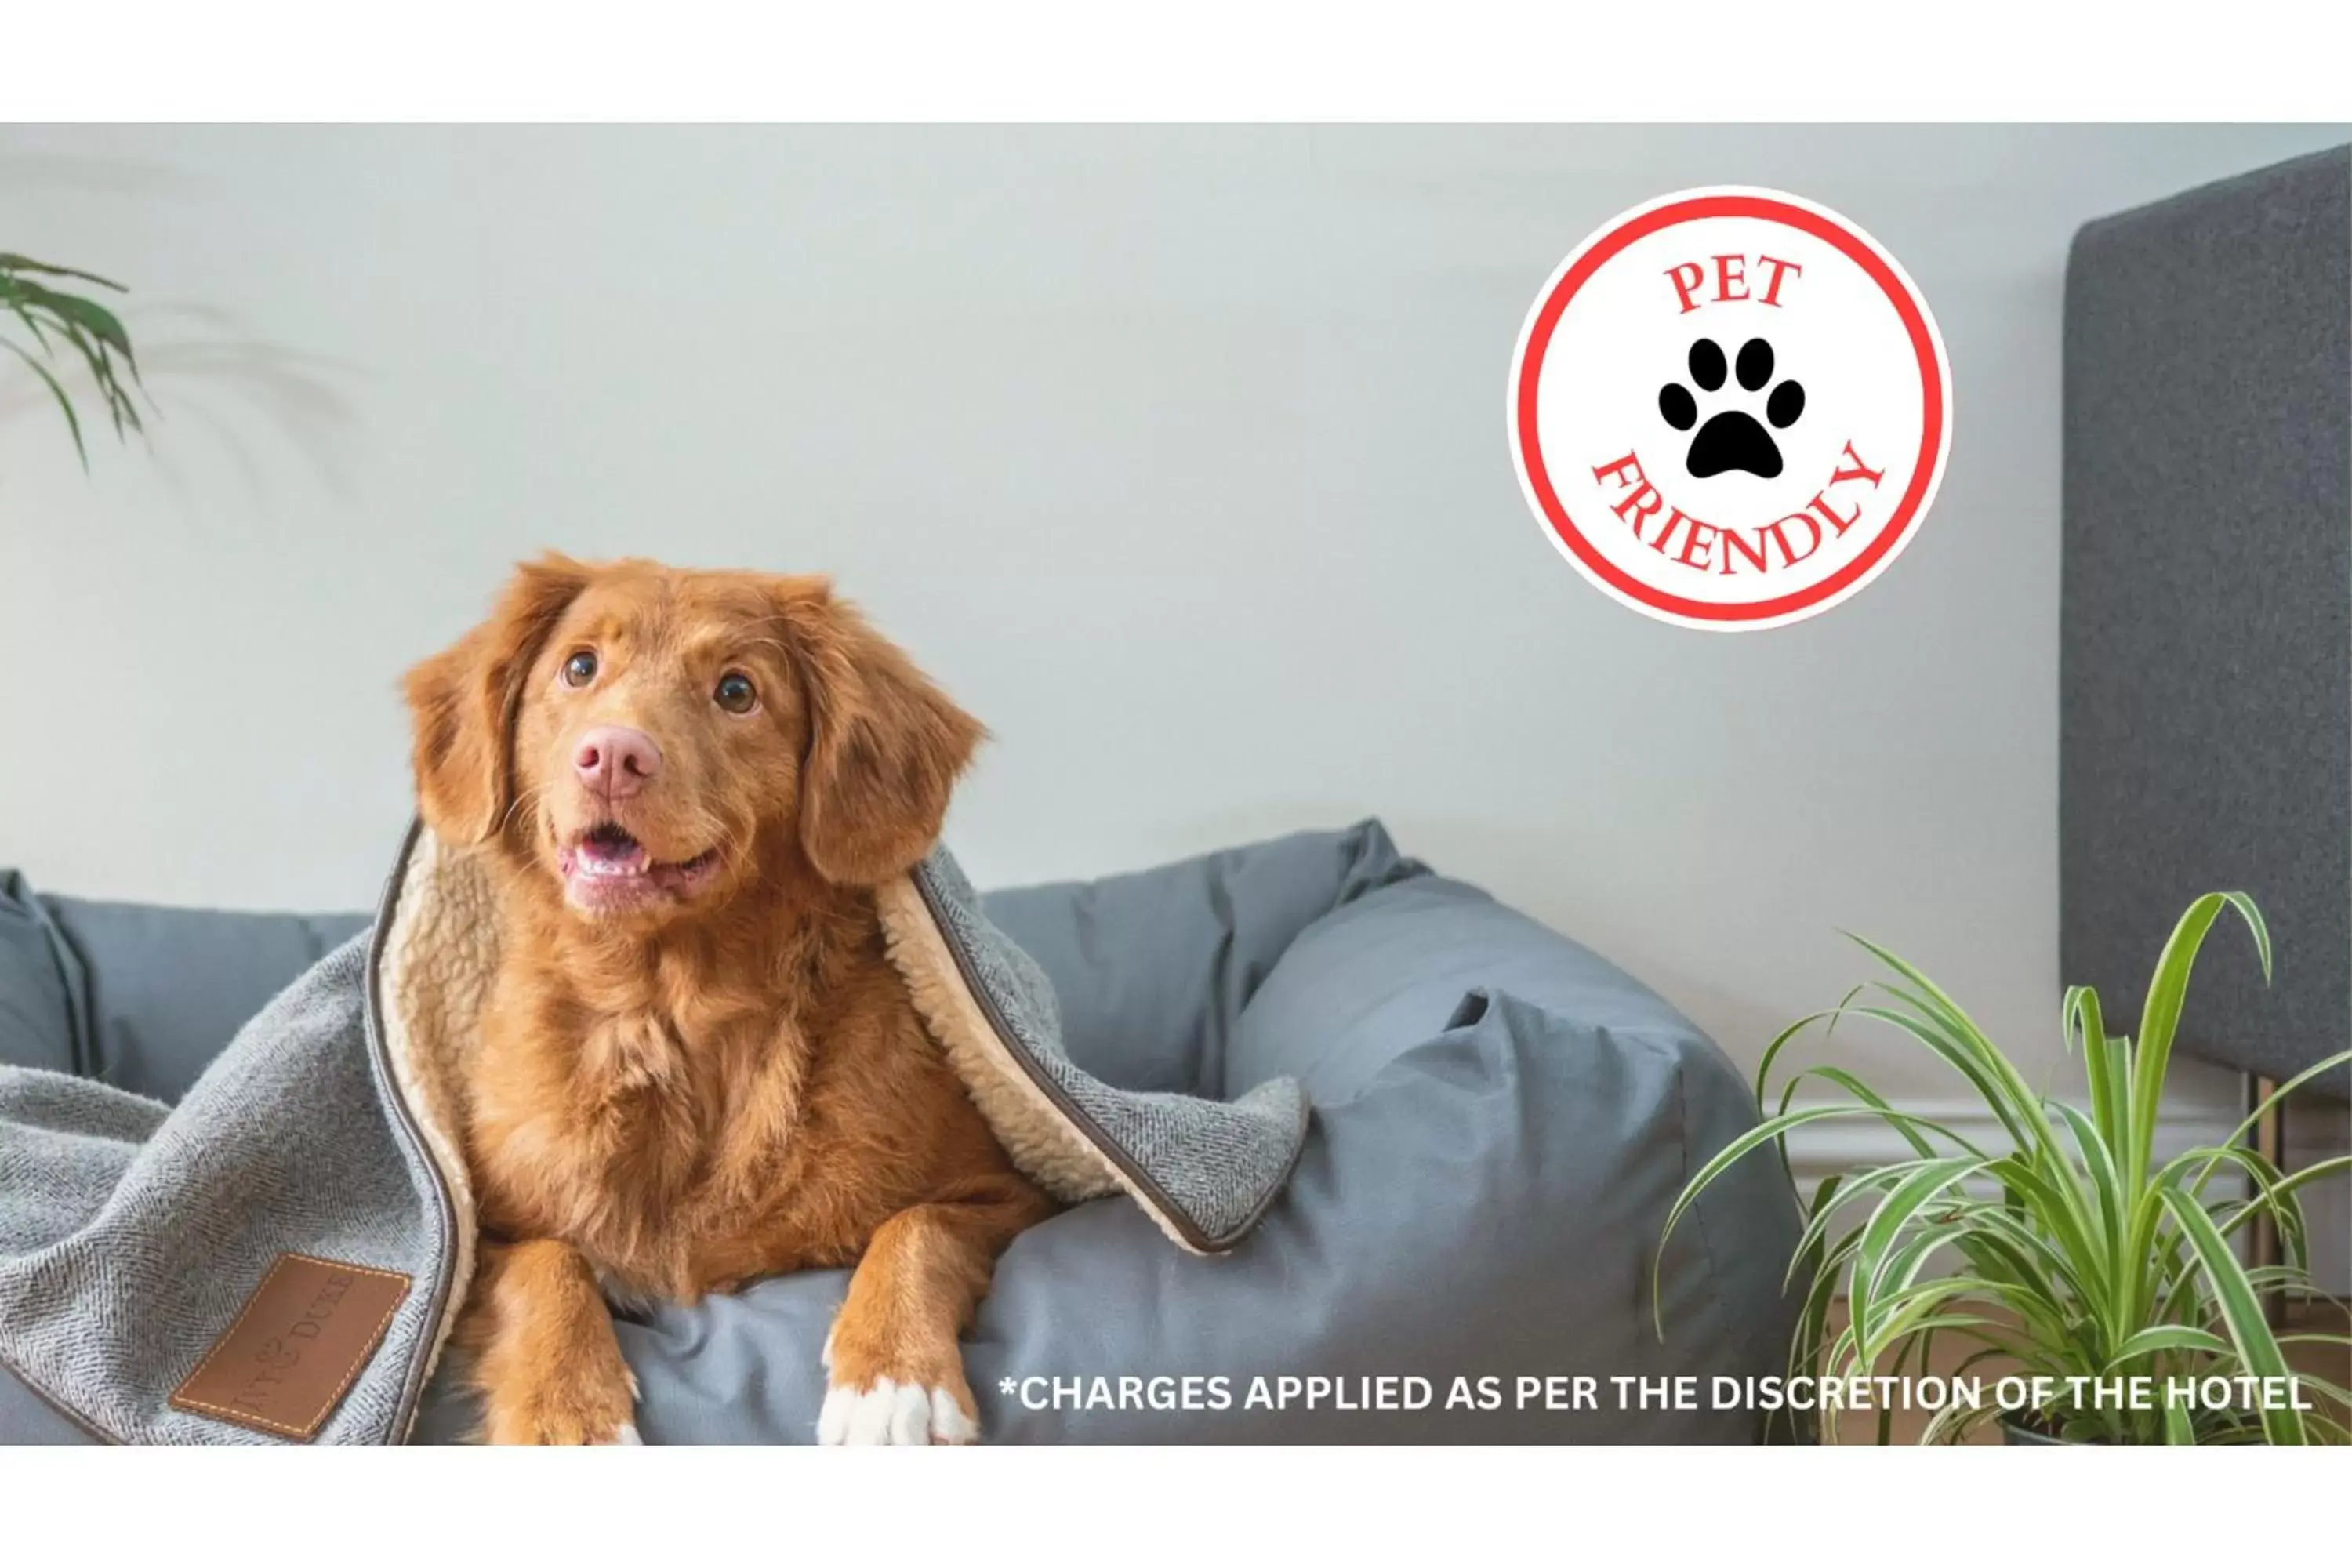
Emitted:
<point x="138" y="995"/>
<point x="1153" y="969"/>
<point x="27" y="1420"/>
<point x="40" y="984"/>
<point x="1379" y="975"/>
<point x="1502" y="1121"/>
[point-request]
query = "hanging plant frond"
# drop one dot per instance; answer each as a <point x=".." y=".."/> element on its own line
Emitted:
<point x="55" y="326"/>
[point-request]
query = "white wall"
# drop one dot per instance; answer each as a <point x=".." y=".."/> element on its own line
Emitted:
<point x="1179" y="455"/>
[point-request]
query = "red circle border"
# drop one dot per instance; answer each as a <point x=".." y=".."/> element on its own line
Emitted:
<point x="1891" y="534"/>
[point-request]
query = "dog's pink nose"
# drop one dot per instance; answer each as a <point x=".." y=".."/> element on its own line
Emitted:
<point x="615" y="761"/>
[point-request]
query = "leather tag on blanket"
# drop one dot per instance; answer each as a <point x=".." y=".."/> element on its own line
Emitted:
<point x="295" y="1350"/>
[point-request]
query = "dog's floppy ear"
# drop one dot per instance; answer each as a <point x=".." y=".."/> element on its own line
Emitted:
<point x="884" y="745"/>
<point x="463" y="701"/>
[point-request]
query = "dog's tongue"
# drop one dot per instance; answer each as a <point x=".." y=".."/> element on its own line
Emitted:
<point x="608" y="852"/>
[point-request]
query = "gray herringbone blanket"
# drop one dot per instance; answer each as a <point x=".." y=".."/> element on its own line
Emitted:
<point x="131" y="1234"/>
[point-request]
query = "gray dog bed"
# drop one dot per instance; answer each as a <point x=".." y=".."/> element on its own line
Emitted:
<point x="1500" y="1119"/>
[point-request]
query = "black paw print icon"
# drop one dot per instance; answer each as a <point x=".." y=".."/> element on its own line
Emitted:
<point x="1732" y="437"/>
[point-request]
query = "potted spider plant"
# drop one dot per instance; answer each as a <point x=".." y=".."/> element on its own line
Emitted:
<point x="2068" y="1251"/>
<point x="56" y="319"/>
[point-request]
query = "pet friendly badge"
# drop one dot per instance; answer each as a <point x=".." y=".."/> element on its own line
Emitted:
<point x="1730" y="408"/>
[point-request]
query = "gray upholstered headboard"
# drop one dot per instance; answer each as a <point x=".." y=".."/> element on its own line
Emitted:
<point x="2206" y="677"/>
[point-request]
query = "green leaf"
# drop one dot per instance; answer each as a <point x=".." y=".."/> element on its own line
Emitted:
<point x="2035" y="1264"/>
<point x="2014" y="1097"/>
<point x="94" y="355"/>
<point x="2166" y="1337"/>
<point x="2271" y="1195"/>
<point x="97" y="319"/>
<point x="2167" y="992"/>
<point x="2058" y="1207"/>
<point x="2241" y="1310"/>
<point x="1731" y="1154"/>
<point x="1913" y="1129"/>
<point x="1835" y="1193"/>
<point x="1878" y="1232"/>
<point x="12" y="263"/>
<point x="1964" y="1060"/>
<point x="1772" y="1049"/>
<point x="2080" y="1013"/>
<point x="2278" y="1097"/>
<point x="32" y="322"/>
<point x="2299" y="1178"/>
<point x="2100" y="1166"/>
<point x="65" y="404"/>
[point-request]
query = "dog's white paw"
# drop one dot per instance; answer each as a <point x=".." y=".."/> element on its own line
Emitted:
<point x="894" y="1412"/>
<point x="626" y="1437"/>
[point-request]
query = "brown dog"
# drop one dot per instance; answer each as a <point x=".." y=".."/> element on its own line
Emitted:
<point x="696" y="1065"/>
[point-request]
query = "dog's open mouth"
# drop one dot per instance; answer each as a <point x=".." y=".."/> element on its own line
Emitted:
<point x="606" y="868"/>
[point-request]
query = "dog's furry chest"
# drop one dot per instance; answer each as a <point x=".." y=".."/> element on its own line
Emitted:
<point x="683" y="1156"/>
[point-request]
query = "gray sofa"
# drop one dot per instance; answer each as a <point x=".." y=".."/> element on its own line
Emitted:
<point x="1501" y="1118"/>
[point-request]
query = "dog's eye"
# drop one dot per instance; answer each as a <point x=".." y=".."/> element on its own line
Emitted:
<point x="580" y="668"/>
<point x="736" y="692"/>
